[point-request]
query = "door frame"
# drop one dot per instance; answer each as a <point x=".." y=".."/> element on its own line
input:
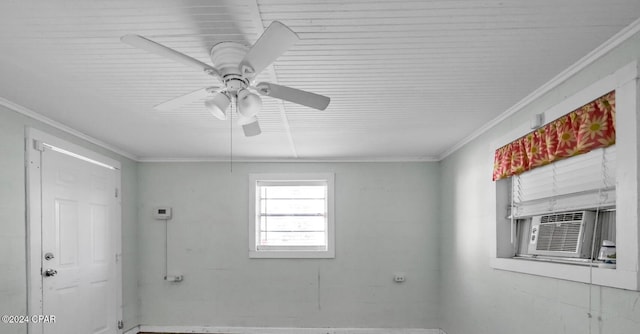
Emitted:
<point x="34" y="218"/>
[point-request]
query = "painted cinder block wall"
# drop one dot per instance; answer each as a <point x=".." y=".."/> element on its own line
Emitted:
<point x="386" y="218"/>
<point x="480" y="300"/>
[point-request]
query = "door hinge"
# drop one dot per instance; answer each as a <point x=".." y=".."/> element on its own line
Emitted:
<point x="117" y="192"/>
<point x="120" y="324"/>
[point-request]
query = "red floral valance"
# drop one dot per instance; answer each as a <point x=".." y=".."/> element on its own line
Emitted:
<point x="582" y="130"/>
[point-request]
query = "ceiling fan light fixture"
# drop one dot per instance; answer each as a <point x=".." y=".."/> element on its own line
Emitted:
<point x="249" y="104"/>
<point x="218" y="105"/>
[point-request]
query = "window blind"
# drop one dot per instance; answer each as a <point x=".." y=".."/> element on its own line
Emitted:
<point x="292" y="215"/>
<point x="579" y="182"/>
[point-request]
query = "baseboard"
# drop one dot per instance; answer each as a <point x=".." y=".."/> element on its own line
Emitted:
<point x="276" y="330"/>
<point x="134" y="330"/>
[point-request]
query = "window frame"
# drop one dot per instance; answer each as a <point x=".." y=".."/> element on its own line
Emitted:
<point x="626" y="275"/>
<point x="290" y="252"/>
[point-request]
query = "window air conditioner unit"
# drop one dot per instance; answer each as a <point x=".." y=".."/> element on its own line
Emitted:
<point x="562" y="234"/>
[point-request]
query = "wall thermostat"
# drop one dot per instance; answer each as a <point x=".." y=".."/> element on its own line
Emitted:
<point x="162" y="213"/>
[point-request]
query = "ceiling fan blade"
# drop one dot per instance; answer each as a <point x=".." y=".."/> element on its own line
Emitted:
<point x="250" y="126"/>
<point x="164" y="51"/>
<point x="275" y="40"/>
<point x="179" y="101"/>
<point x="312" y="100"/>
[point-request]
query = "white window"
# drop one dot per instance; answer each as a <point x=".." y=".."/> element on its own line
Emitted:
<point x="565" y="210"/>
<point x="616" y="187"/>
<point x="291" y="216"/>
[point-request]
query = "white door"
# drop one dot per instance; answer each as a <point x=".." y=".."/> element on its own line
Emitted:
<point x="78" y="245"/>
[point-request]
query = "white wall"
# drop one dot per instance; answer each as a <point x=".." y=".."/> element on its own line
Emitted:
<point x="386" y="221"/>
<point x="13" y="291"/>
<point x="480" y="300"/>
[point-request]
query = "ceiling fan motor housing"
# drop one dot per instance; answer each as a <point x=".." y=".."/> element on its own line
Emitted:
<point x="226" y="57"/>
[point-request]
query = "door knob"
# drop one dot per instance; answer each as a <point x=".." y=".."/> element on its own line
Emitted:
<point x="49" y="273"/>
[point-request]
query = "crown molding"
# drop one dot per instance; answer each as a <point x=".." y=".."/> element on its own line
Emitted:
<point x="289" y="160"/>
<point x="39" y="117"/>
<point x="578" y="66"/>
<point x="48" y="121"/>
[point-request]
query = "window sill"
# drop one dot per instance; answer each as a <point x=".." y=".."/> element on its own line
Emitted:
<point x="616" y="278"/>
<point x="292" y="254"/>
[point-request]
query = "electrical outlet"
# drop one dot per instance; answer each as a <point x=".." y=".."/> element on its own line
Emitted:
<point x="174" y="278"/>
<point x="399" y="277"/>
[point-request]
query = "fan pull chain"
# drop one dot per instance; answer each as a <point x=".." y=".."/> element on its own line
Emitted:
<point x="231" y="134"/>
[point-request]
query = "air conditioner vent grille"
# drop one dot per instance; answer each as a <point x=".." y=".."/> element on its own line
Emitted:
<point x="562" y="217"/>
<point x="560" y="237"/>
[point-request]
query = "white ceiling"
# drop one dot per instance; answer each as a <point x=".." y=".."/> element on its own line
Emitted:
<point x="408" y="79"/>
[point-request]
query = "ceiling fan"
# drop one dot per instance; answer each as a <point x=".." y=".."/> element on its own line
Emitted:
<point x="235" y="66"/>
